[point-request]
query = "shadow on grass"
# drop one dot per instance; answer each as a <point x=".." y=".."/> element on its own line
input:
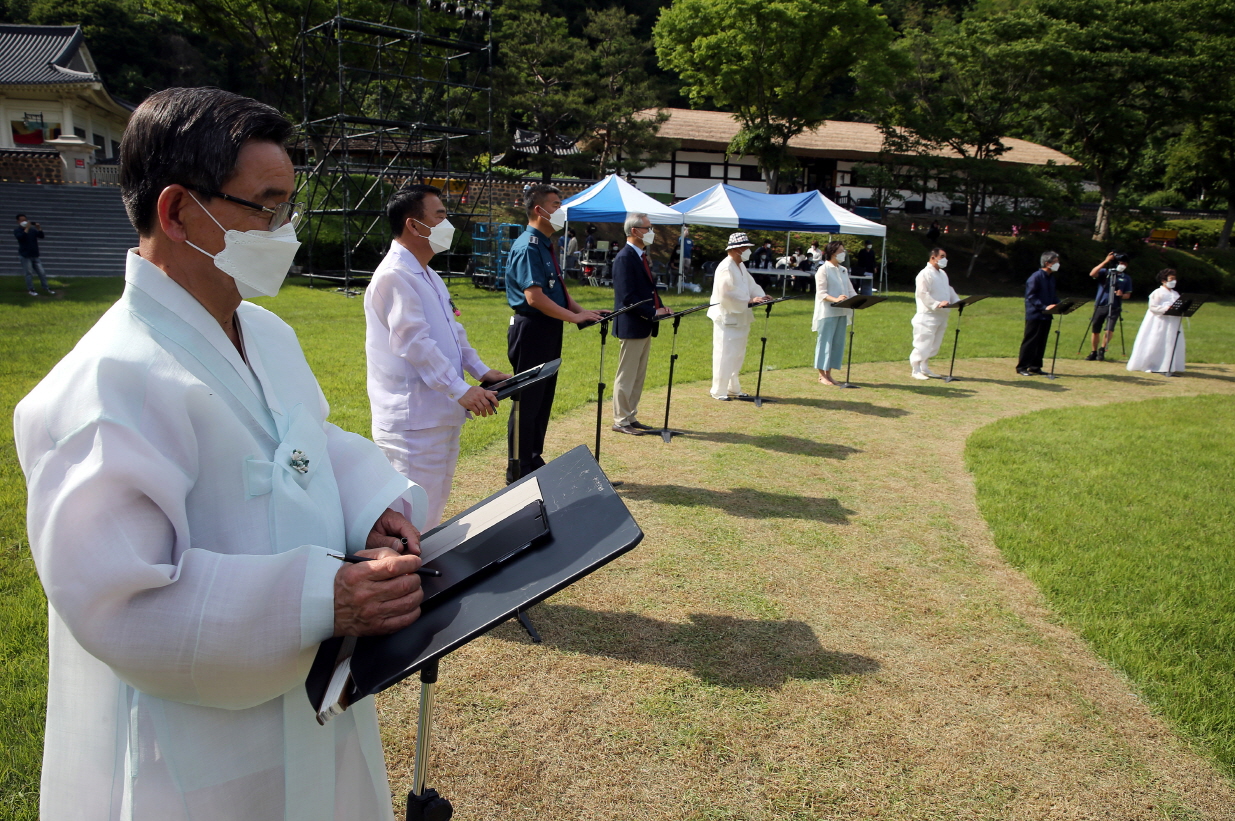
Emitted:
<point x="1033" y="383"/>
<point x="1193" y="373"/>
<point x="1125" y="378"/>
<point x="720" y="650"/>
<point x="939" y="391"/>
<point x="864" y="408"/>
<point x="793" y="445"/>
<point x="744" y="502"/>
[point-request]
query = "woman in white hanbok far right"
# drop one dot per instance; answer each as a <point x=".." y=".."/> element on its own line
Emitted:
<point x="1156" y="340"/>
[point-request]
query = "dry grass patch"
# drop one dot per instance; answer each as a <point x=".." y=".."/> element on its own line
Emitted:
<point x="818" y="625"/>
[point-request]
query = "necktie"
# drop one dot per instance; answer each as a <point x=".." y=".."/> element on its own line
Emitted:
<point x="647" y="266"/>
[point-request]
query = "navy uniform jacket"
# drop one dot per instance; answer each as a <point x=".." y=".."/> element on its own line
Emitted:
<point x="1039" y="292"/>
<point x="631" y="285"/>
<point x="531" y="263"/>
<point x="1123" y="282"/>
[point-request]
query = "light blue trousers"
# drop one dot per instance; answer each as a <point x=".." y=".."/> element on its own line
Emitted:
<point x="830" y="349"/>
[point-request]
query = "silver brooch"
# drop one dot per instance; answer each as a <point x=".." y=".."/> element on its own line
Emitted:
<point x="299" y="462"/>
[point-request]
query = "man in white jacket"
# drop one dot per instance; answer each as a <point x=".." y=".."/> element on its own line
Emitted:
<point x="417" y="351"/>
<point x="189" y="503"/>
<point x="933" y="294"/>
<point x="733" y="291"/>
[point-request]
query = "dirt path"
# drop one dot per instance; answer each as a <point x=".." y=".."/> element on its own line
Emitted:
<point x="817" y="625"/>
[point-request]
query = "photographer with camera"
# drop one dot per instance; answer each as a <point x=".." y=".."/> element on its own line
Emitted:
<point x="1108" y="308"/>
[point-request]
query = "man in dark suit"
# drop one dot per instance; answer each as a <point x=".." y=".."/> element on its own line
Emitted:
<point x="633" y="283"/>
<point x="1040" y="298"/>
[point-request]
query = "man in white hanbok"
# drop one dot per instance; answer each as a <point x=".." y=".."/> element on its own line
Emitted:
<point x="189" y="502"/>
<point x="417" y="352"/>
<point x="934" y="294"/>
<point x="1159" y="345"/>
<point x="733" y="289"/>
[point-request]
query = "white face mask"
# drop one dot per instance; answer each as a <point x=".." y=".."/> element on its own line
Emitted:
<point x="1121" y="267"/>
<point x="1170" y="283"/>
<point x="1054" y="267"/>
<point x="440" y="236"/>
<point x="840" y="256"/>
<point x="745" y="254"/>
<point x="557" y="219"/>
<point x="257" y="260"/>
<point x="941" y="263"/>
<point x="23" y="223"/>
<point x="649" y="238"/>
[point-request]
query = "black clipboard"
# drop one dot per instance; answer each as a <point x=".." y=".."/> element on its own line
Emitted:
<point x="519" y="381"/>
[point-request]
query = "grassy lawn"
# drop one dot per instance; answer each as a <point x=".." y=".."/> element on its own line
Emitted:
<point x="1122" y="516"/>
<point x="35" y="333"/>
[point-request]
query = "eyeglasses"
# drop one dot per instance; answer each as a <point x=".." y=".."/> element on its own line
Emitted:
<point x="280" y="215"/>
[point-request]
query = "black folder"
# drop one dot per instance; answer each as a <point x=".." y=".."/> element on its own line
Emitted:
<point x="521" y="380"/>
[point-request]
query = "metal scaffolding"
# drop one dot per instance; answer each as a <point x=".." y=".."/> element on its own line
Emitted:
<point x="407" y="98"/>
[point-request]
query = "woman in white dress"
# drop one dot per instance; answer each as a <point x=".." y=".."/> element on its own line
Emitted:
<point x="831" y="286"/>
<point x="1156" y="340"/>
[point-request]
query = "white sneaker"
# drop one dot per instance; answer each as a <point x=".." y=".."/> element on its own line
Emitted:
<point x="919" y="375"/>
<point x="931" y="374"/>
<point x="50" y="292"/>
<point x="33" y="293"/>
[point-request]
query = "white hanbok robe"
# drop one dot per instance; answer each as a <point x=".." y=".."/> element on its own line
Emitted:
<point x="1151" y="352"/>
<point x="733" y="289"/>
<point x="188" y="571"/>
<point x="931" y="287"/>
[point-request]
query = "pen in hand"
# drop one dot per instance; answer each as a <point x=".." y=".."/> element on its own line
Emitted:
<point x="424" y="571"/>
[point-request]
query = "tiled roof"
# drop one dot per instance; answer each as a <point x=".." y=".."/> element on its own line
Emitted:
<point x="42" y="55"/>
<point x="712" y="130"/>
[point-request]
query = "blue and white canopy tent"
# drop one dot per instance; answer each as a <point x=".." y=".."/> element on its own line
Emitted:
<point x="610" y="200"/>
<point x="725" y="206"/>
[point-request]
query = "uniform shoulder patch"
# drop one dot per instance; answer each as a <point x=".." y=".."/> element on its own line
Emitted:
<point x="532" y="241"/>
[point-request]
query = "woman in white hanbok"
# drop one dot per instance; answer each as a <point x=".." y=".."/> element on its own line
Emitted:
<point x="1159" y="345"/>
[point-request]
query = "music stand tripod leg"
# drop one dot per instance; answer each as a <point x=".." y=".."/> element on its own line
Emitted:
<point x="665" y="432"/>
<point x="1170" y="365"/>
<point x="425" y="804"/>
<point x="513" y="468"/>
<point x="1058" y="328"/>
<point x="763" y="350"/>
<point x="600" y="410"/>
<point x="849" y="354"/>
<point x="955" y="341"/>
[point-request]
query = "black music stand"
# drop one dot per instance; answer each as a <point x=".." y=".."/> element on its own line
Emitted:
<point x="1185" y="306"/>
<point x="763" y="347"/>
<point x="960" y="311"/>
<point x="512" y="388"/>
<point x="1062" y="308"/>
<point x="857" y="303"/>
<point x="603" y="322"/>
<point x="665" y="432"/>
<point x="589" y="526"/>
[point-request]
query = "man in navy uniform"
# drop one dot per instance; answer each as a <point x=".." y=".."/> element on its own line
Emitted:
<point x="633" y="283"/>
<point x="538" y="296"/>
<point x="1039" y="298"/>
<point x="1107" y="309"/>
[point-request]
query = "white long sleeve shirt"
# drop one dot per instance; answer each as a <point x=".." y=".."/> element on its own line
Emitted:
<point x="931" y="287"/>
<point x="187" y="570"/>
<point x="733" y="289"/>
<point x="831" y="280"/>
<point x="417" y="351"/>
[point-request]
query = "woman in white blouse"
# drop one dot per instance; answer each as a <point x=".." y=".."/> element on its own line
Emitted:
<point x="1155" y="349"/>
<point x="831" y="286"/>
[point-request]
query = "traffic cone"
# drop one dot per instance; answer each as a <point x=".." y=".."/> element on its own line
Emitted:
<point x="913" y="226"/>
<point x="38" y="180"/>
<point x="945" y="228"/>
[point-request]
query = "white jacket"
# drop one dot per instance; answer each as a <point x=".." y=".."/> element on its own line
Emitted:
<point x="931" y="287"/>
<point x="831" y="280"/>
<point x="416" y="350"/>
<point x="187" y="568"/>
<point x="733" y="289"/>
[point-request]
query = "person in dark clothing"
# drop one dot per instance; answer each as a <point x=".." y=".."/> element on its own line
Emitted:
<point x="932" y="233"/>
<point x="28" y="235"/>
<point x="633" y="283"/>
<point x="1039" y="298"/>
<point x="1107" y="310"/>
<point x="864" y="266"/>
<point x="764" y="256"/>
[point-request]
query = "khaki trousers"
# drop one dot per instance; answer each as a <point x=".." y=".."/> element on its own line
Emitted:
<point x="628" y="383"/>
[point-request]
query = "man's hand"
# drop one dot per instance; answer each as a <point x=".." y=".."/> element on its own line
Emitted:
<point x="394" y="531"/>
<point x="378" y="597"/>
<point x="764" y="299"/>
<point x="663" y="311"/>
<point x="1051" y="308"/>
<point x="494" y="375"/>
<point x="479" y="401"/>
<point x="944" y="304"/>
<point x="586" y="316"/>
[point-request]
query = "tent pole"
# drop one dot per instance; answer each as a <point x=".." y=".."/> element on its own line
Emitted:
<point x="681" y="256"/>
<point x="883" y="264"/>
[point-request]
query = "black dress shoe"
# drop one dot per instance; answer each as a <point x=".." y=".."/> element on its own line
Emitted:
<point x="1023" y="372"/>
<point x="1037" y="372"/>
<point x="628" y="429"/>
<point x="641" y="426"/>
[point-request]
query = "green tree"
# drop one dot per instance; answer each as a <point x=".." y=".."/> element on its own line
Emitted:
<point x="542" y="77"/>
<point x="960" y="92"/>
<point x="1119" y="71"/>
<point x="625" y="132"/>
<point x="780" y="66"/>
